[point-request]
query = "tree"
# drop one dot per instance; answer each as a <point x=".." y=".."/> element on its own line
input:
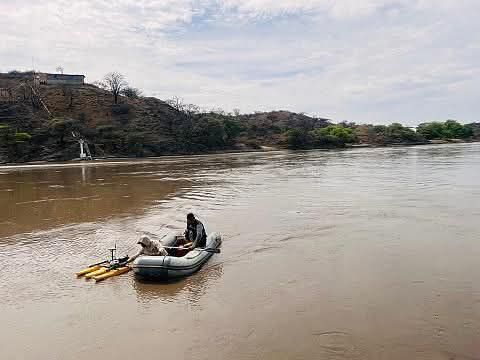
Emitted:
<point x="115" y="83"/>
<point x="62" y="128"/>
<point x="204" y="133"/>
<point x="191" y="109"/>
<point x="218" y="111"/>
<point x="6" y="135"/>
<point x="347" y="124"/>
<point x="187" y="109"/>
<point x="474" y="129"/>
<point x="366" y="134"/>
<point x="59" y="69"/>
<point x="212" y="133"/>
<point x="450" y="129"/>
<point x="16" y="145"/>
<point x="454" y="130"/>
<point x="297" y="139"/>
<point x="468" y="131"/>
<point x="131" y="92"/>
<point x="177" y="103"/>
<point x="344" y="135"/>
<point x="397" y="133"/>
<point x="380" y="129"/>
<point x="431" y="130"/>
<point x="233" y="128"/>
<point x="135" y="142"/>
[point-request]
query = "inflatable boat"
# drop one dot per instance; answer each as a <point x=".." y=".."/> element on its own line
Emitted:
<point x="173" y="267"/>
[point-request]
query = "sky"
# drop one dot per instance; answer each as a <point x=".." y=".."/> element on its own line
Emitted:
<point x="368" y="61"/>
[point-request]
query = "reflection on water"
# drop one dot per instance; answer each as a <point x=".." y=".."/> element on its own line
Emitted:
<point x="190" y="289"/>
<point x="363" y="254"/>
<point x="48" y="197"/>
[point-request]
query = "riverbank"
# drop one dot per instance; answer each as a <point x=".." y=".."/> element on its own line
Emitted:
<point x="261" y="149"/>
<point x="430" y="142"/>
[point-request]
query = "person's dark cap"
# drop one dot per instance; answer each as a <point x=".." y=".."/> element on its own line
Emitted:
<point x="190" y="216"/>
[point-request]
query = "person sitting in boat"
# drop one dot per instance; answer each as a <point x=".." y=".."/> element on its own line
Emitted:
<point x="149" y="247"/>
<point x="195" y="235"/>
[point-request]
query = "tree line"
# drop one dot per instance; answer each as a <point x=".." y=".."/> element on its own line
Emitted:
<point x="342" y="134"/>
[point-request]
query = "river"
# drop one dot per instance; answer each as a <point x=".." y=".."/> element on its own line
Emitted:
<point x="358" y="254"/>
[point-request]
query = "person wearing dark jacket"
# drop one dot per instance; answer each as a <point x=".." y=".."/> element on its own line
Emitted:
<point x="195" y="234"/>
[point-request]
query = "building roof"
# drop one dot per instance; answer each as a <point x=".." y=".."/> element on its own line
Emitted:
<point x="63" y="76"/>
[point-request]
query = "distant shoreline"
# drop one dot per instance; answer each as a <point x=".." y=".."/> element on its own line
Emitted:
<point x="430" y="142"/>
<point x="263" y="149"/>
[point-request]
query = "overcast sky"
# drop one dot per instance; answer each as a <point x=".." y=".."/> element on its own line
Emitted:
<point x="374" y="61"/>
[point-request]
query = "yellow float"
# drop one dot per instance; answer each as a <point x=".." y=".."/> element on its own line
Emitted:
<point x="111" y="268"/>
<point x="88" y="270"/>
<point x="111" y="273"/>
<point x="100" y="271"/>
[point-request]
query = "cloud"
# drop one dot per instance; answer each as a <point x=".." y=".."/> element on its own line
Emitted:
<point x="370" y="60"/>
<point x="337" y="9"/>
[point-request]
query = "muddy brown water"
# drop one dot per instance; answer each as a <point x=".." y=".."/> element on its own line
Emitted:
<point x="363" y="254"/>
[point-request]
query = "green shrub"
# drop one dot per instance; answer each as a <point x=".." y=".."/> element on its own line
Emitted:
<point x="297" y="139"/>
<point x="343" y="134"/>
<point x="455" y="130"/>
<point x="233" y="128"/>
<point x="449" y="129"/>
<point x="332" y="136"/>
<point x="431" y="130"/>
<point x="22" y="137"/>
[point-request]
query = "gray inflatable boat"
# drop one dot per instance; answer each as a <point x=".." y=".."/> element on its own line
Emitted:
<point x="171" y="267"/>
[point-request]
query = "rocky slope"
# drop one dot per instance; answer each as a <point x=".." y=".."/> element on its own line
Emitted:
<point x="142" y="126"/>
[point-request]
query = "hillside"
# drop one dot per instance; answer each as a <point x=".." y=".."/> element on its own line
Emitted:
<point x="38" y="125"/>
<point x="44" y="122"/>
